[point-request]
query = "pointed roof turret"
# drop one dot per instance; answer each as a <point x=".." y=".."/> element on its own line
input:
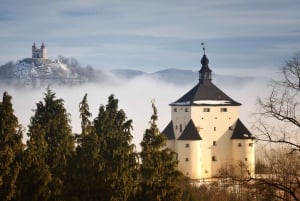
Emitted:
<point x="169" y="131"/>
<point x="204" y="72"/>
<point x="33" y="45"/>
<point x="190" y="132"/>
<point x="240" y="132"/>
<point x="205" y="92"/>
<point x="43" y="45"/>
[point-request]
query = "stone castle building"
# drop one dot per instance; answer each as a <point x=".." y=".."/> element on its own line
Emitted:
<point x="39" y="53"/>
<point x="206" y="132"/>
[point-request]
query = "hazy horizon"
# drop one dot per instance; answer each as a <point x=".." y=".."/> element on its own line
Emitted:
<point x="241" y="37"/>
<point x="134" y="97"/>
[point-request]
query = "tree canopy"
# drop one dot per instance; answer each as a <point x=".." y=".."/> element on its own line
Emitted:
<point x="11" y="148"/>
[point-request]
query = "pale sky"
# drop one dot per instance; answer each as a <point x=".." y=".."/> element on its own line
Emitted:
<point x="250" y="37"/>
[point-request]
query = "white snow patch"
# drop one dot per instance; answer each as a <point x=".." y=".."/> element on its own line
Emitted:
<point x="212" y="102"/>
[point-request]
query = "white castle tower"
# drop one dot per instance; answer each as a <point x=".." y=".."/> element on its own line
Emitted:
<point x="206" y="132"/>
<point x="39" y="53"/>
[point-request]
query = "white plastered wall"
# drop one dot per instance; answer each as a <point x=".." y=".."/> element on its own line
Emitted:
<point x="214" y="126"/>
<point x="190" y="159"/>
<point x="243" y="155"/>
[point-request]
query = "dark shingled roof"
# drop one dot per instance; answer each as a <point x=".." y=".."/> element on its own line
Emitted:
<point x="202" y="92"/>
<point x="190" y="132"/>
<point x="205" y="90"/>
<point x="169" y="131"/>
<point x="240" y="131"/>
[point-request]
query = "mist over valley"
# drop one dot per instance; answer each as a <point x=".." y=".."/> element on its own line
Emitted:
<point x="134" y="89"/>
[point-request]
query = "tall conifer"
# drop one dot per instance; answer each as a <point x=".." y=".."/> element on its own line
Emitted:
<point x="159" y="176"/>
<point x="52" y="118"/>
<point x="116" y="151"/>
<point x="11" y="148"/>
<point x="84" y="172"/>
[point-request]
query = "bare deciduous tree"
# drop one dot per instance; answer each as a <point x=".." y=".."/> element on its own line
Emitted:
<point x="279" y="125"/>
<point x="279" y="113"/>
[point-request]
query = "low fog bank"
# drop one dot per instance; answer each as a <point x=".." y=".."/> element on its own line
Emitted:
<point x="134" y="97"/>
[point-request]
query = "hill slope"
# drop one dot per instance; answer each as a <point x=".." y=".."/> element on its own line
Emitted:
<point x="40" y="72"/>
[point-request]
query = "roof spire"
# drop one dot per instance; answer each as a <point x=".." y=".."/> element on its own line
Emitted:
<point x="33" y="45"/>
<point x="205" y="72"/>
<point x="203" y="47"/>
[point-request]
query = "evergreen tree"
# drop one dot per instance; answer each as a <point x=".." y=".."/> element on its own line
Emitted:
<point x="84" y="181"/>
<point x="159" y="176"/>
<point x="35" y="175"/>
<point x="117" y="154"/>
<point x="52" y="118"/>
<point x="11" y="148"/>
<point x="85" y="116"/>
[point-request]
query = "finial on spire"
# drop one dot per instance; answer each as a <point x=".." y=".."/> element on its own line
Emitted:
<point x="203" y="47"/>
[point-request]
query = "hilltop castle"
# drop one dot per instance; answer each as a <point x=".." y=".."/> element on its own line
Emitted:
<point x="206" y="132"/>
<point x="40" y="53"/>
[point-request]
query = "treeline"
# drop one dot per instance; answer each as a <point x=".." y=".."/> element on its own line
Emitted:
<point x="100" y="163"/>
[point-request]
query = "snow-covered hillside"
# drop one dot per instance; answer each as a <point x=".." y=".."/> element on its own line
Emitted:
<point x="40" y="72"/>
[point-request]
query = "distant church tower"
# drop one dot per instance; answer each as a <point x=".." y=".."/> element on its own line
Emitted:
<point x="39" y="53"/>
<point x="206" y="132"/>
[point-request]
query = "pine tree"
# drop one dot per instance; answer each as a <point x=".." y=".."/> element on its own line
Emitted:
<point x="35" y="175"/>
<point x="159" y="175"/>
<point x="52" y="118"/>
<point x="116" y="152"/>
<point x="11" y="148"/>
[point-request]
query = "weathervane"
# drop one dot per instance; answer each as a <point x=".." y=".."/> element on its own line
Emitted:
<point x="203" y="47"/>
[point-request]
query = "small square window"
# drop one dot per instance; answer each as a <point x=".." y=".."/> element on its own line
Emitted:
<point x="186" y="109"/>
<point x="239" y="144"/>
<point x="175" y="109"/>
<point x="246" y="159"/>
<point x="214" y="143"/>
<point x="187" y="145"/>
<point x="230" y="128"/>
<point x="186" y="159"/>
<point x="224" y="109"/>
<point x="206" y="109"/>
<point x="250" y="144"/>
<point x="215" y="128"/>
